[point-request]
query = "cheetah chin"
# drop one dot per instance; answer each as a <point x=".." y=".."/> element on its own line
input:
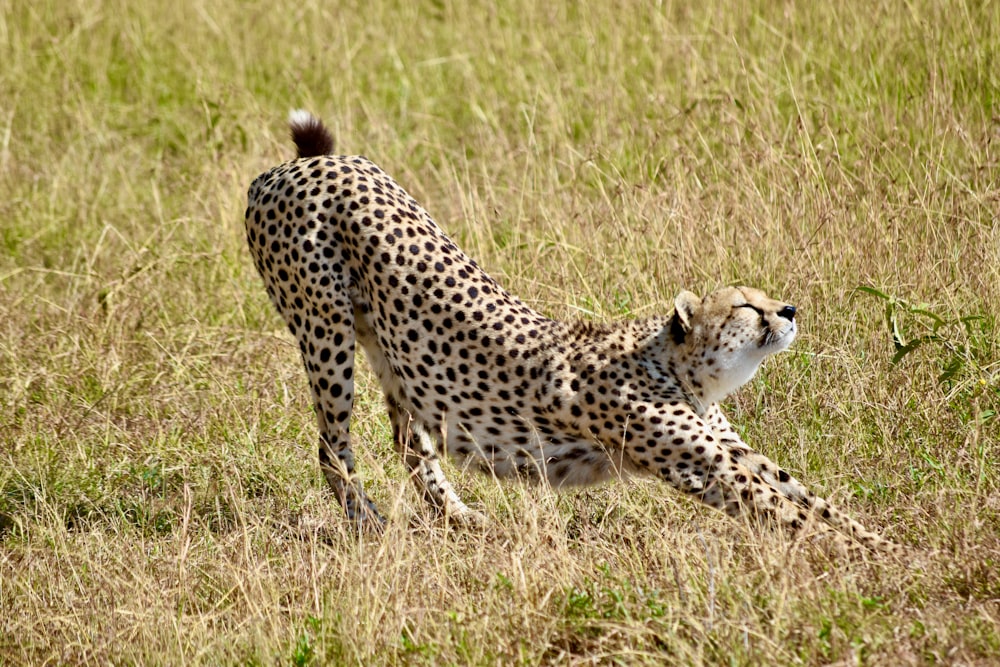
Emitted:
<point x="350" y="259"/>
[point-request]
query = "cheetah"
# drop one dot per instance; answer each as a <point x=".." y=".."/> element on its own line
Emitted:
<point x="349" y="258"/>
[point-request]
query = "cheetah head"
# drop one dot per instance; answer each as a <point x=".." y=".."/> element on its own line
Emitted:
<point x="724" y="337"/>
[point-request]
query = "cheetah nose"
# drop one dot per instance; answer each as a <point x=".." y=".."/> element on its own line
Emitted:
<point x="788" y="312"/>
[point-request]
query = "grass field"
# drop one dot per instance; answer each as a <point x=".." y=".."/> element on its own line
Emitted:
<point x="160" y="499"/>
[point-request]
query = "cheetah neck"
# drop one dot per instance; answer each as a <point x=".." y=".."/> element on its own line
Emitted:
<point x="682" y="367"/>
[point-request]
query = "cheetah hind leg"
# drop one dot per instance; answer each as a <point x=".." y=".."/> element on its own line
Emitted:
<point x="418" y="450"/>
<point x="337" y="464"/>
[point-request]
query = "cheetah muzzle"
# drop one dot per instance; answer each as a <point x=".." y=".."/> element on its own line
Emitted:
<point x="349" y="258"/>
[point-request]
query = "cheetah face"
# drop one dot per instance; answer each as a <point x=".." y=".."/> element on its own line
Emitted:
<point x="728" y="334"/>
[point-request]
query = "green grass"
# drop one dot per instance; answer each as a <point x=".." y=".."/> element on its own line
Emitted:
<point x="160" y="501"/>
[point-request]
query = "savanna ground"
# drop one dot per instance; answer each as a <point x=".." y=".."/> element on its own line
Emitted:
<point x="160" y="498"/>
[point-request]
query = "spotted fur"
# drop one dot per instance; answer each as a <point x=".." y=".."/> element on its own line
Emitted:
<point x="350" y="259"/>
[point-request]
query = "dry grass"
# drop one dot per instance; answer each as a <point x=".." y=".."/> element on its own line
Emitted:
<point x="159" y="498"/>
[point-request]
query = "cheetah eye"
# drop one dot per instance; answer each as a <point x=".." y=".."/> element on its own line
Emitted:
<point x="751" y="307"/>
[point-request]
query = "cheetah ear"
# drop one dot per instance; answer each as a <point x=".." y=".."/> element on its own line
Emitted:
<point x="685" y="305"/>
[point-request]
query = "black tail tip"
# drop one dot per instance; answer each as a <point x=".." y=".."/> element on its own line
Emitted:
<point x="309" y="134"/>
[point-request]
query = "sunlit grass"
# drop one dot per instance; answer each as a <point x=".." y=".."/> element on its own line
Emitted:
<point x="160" y="501"/>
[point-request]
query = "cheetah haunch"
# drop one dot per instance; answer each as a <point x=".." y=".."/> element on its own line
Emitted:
<point x="348" y="258"/>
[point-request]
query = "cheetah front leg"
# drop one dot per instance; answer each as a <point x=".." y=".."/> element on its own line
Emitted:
<point x="420" y="455"/>
<point x="691" y="458"/>
<point x="756" y="462"/>
<point x="789" y="487"/>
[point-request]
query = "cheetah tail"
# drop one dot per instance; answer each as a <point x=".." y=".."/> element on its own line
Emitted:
<point x="309" y="134"/>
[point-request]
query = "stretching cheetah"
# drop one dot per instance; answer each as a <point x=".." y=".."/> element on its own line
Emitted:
<point x="348" y="257"/>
